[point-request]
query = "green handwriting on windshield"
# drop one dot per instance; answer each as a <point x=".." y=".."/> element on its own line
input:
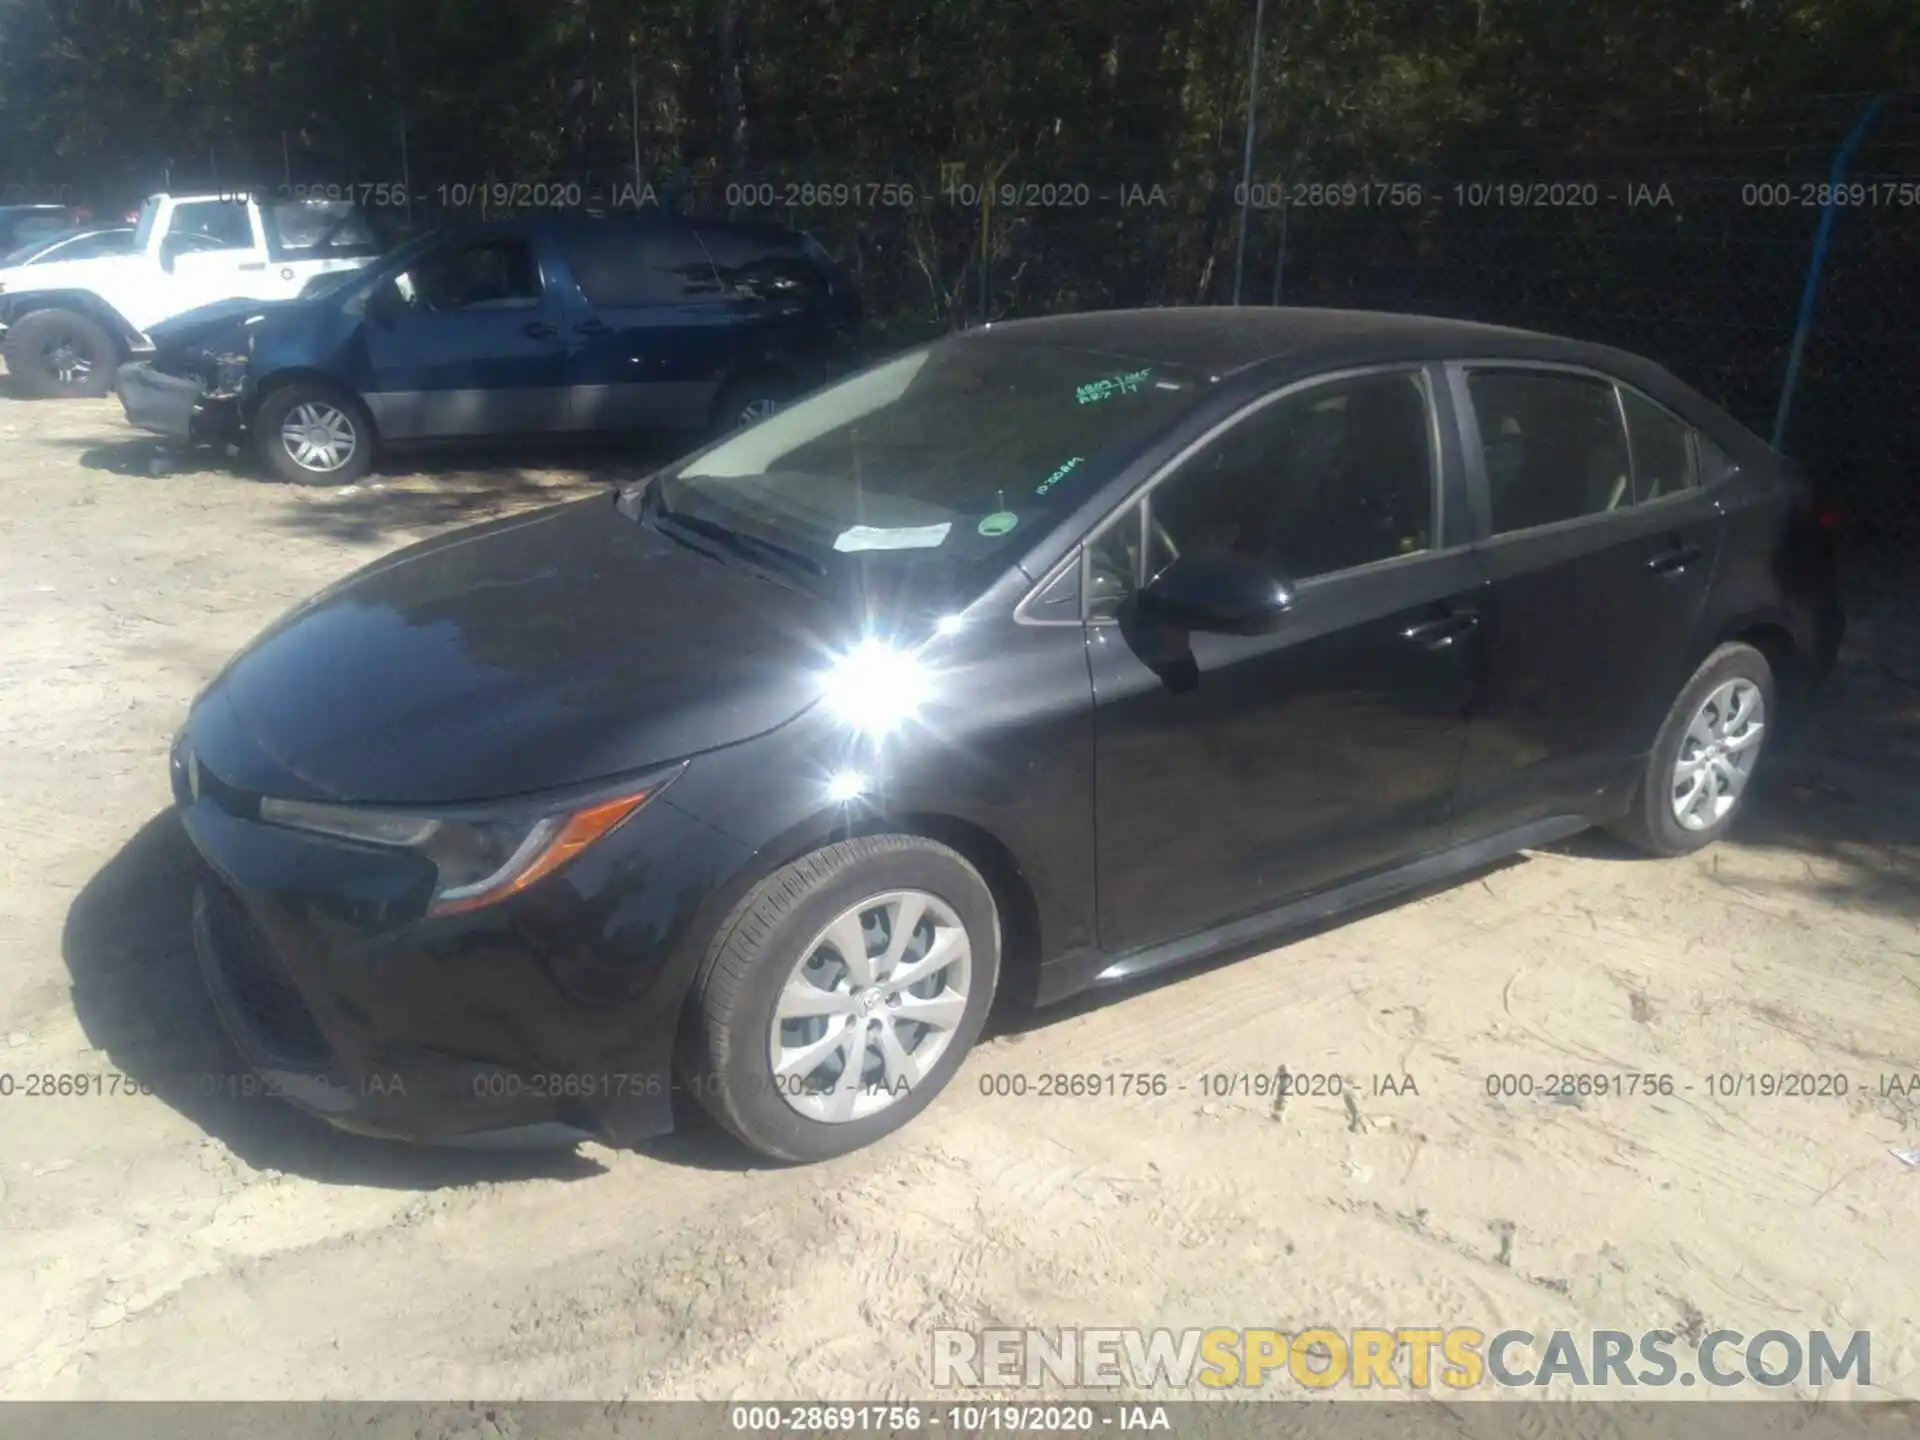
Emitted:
<point x="1057" y="476"/>
<point x="1112" y="385"/>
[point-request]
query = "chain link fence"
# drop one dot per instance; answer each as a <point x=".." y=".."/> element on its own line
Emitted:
<point x="1692" y="245"/>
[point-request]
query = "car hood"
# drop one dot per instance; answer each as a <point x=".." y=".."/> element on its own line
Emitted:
<point x="197" y="326"/>
<point x="526" y="654"/>
<point x="73" y="274"/>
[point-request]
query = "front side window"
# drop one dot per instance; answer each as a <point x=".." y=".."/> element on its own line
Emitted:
<point x="1554" y="445"/>
<point x="1329" y="478"/>
<point x="488" y="275"/>
<point x="1662" y="455"/>
<point x="212" y="225"/>
<point x="964" y="451"/>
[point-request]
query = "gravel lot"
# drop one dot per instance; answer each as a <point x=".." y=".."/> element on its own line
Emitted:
<point x="195" y="1245"/>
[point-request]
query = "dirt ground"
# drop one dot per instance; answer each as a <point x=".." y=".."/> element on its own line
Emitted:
<point x="189" y="1245"/>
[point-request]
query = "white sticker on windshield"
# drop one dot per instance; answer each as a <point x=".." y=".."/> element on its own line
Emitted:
<point x="874" y="537"/>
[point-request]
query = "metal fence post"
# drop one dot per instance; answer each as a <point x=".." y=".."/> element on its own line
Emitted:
<point x="1246" y="159"/>
<point x="1823" y="233"/>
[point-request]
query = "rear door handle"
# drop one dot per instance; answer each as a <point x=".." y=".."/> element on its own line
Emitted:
<point x="1675" y="560"/>
<point x="592" y="327"/>
<point x="1441" y="633"/>
<point x="253" y="264"/>
<point x="540" y="329"/>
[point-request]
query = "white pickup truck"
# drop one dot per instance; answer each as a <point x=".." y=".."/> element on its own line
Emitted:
<point x="65" y="326"/>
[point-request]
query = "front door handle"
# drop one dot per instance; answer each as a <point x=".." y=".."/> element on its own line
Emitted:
<point x="1675" y="560"/>
<point x="1442" y="633"/>
<point x="592" y="327"/>
<point x="540" y="329"/>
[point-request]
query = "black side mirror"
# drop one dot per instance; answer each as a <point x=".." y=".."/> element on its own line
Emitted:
<point x="171" y="248"/>
<point x="1217" y="593"/>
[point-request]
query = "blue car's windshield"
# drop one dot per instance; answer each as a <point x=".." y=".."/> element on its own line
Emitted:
<point x="962" y="451"/>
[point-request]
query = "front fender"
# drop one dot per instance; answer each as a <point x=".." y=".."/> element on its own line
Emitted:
<point x="16" y="304"/>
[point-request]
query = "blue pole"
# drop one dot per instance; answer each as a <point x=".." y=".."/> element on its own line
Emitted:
<point x="1842" y="158"/>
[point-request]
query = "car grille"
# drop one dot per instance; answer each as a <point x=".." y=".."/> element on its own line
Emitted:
<point x="259" y="985"/>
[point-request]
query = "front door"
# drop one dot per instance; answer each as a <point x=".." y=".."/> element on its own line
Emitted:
<point x="211" y="251"/>
<point x="467" y="342"/>
<point x="1599" y="552"/>
<point x="1234" y="773"/>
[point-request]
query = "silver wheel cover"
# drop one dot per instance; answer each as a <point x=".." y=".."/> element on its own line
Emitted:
<point x="1717" y="754"/>
<point x="871" y="1005"/>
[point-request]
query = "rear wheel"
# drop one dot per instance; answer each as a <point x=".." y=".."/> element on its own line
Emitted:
<point x="54" y="354"/>
<point x="309" y="433"/>
<point x="749" y="401"/>
<point x="1702" y="764"/>
<point x="843" y="993"/>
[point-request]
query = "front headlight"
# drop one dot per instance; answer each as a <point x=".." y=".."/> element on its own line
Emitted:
<point x="480" y="859"/>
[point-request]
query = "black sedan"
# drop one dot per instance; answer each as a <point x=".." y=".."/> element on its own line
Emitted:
<point x="1039" y="658"/>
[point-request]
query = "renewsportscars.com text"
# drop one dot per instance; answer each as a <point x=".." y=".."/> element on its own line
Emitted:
<point x="1397" y="1358"/>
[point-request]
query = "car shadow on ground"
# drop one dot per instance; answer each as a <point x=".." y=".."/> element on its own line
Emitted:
<point x="409" y="491"/>
<point x="1842" y="793"/>
<point x="139" y="997"/>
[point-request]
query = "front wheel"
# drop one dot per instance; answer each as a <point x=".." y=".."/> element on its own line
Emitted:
<point x="56" y="354"/>
<point x="313" y="434"/>
<point x="843" y="993"/>
<point x="1703" y="760"/>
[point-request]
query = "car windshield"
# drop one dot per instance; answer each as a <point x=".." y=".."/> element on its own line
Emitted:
<point x="958" y="453"/>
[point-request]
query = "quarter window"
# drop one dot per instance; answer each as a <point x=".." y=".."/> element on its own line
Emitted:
<point x="1554" y="444"/>
<point x="627" y="267"/>
<point x="1662" y="458"/>
<point x="1332" y="477"/>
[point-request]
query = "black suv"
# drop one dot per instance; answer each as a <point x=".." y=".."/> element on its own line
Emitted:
<point x="541" y="326"/>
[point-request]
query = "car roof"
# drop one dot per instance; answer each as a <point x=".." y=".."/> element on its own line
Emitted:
<point x="1271" y="343"/>
<point x="760" y="231"/>
<point x="1224" y="339"/>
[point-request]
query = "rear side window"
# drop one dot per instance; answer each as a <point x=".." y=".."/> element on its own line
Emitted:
<point x="624" y="267"/>
<point x="317" y="225"/>
<point x="1554" y="444"/>
<point x="1662" y="454"/>
<point x="756" y="269"/>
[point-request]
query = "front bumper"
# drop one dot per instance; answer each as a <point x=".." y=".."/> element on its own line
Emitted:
<point x="546" y="1019"/>
<point x="173" y="406"/>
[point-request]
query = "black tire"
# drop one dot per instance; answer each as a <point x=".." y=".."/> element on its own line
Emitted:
<point x="42" y="343"/>
<point x="731" y="411"/>
<point x="270" y="445"/>
<point x="754" y="954"/>
<point x="1651" y="823"/>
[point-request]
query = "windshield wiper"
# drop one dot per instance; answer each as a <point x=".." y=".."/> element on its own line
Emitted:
<point x="739" y="541"/>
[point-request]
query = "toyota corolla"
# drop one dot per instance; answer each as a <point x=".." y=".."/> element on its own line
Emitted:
<point x="1036" y="659"/>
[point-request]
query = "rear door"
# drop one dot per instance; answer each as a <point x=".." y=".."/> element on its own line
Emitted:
<point x="466" y="342"/>
<point x="647" y="332"/>
<point x="1599" y="548"/>
<point x="795" y="316"/>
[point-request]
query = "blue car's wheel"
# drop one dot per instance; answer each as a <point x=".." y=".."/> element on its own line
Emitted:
<point x="309" y="433"/>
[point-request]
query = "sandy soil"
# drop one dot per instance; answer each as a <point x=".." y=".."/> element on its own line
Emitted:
<point x="192" y="1245"/>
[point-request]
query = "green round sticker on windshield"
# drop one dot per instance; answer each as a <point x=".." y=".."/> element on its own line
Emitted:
<point x="998" y="523"/>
